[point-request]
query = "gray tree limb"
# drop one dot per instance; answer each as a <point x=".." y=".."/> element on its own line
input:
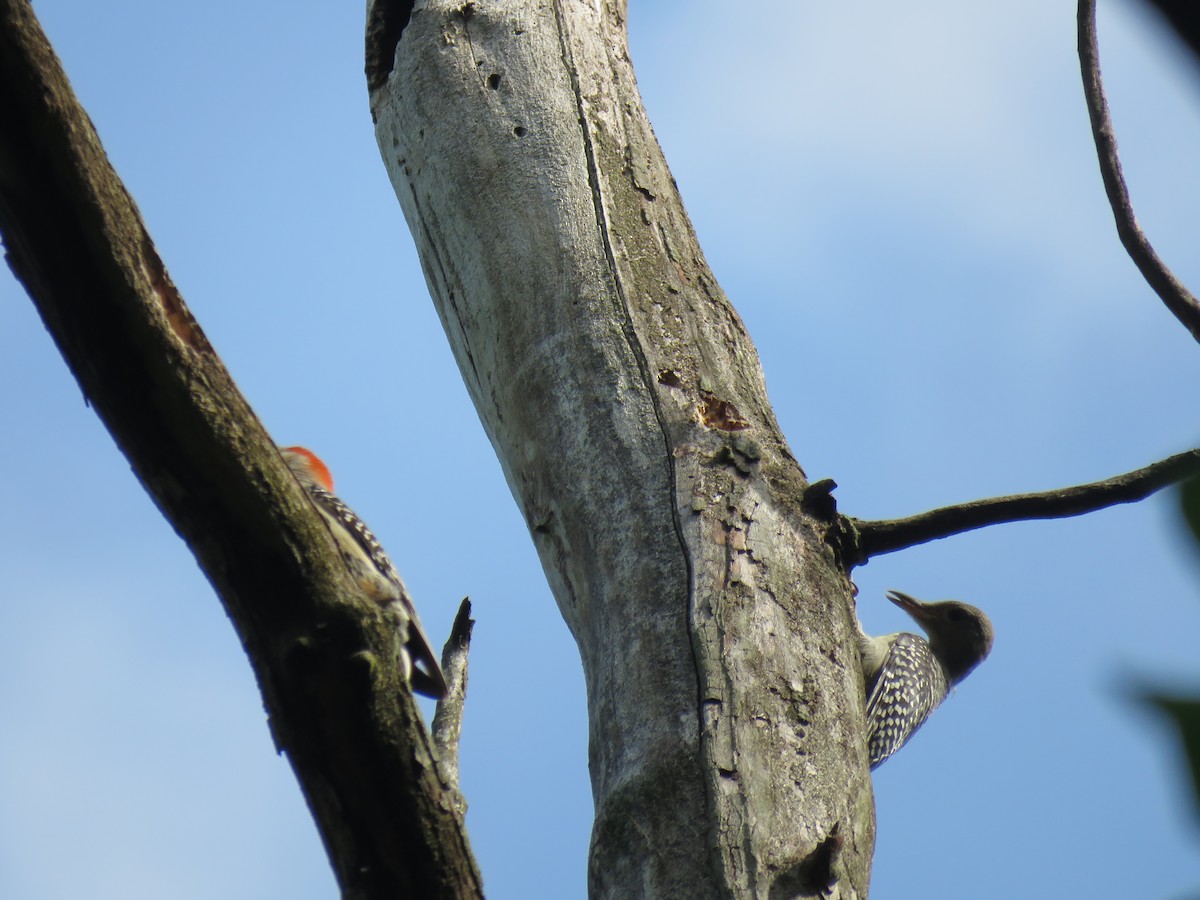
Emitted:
<point x="627" y="406"/>
<point x="325" y="659"/>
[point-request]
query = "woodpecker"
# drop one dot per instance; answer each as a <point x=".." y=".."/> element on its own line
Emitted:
<point x="907" y="676"/>
<point x="372" y="569"/>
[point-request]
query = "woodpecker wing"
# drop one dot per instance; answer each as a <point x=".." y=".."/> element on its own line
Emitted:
<point x="910" y="685"/>
<point x="426" y="676"/>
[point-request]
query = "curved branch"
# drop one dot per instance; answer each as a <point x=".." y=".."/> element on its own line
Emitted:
<point x="887" y="536"/>
<point x="1178" y="299"/>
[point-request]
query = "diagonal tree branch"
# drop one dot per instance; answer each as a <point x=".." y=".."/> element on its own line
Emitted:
<point x="324" y="657"/>
<point x="874" y="538"/>
<point x="1178" y="299"/>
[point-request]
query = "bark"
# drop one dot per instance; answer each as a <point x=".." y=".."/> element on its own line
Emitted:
<point x="325" y="659"/>
<point x="627" y="406"/>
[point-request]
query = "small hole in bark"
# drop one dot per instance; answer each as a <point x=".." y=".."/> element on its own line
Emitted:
<point x="519" y="131"/>
<point x="494" y="81"/>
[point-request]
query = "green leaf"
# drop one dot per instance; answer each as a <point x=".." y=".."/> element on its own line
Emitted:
<point x="1184" y="712"/>
<point x="1189" y="503"/>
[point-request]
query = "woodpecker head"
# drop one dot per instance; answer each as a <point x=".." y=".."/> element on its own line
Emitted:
<point x="308" y="467"/>
<point x="960" y="635"/>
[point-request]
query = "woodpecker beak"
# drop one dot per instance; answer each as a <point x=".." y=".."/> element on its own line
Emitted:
<point x="910" y="605"/>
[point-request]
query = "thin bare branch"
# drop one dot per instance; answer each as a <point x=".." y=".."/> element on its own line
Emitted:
<point x="447" y="720"/>
<point x="1178" y="299"/>
<point x="886" y="536"/>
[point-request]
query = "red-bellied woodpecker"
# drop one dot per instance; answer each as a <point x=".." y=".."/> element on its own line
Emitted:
<point x="907" y="676"/>
<point x="371" y="568"/>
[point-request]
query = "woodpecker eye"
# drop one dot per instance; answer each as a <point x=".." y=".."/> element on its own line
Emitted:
<point x="956" y="614"/>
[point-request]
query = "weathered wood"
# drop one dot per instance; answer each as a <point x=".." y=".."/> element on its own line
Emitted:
<point x="627" y="406"/>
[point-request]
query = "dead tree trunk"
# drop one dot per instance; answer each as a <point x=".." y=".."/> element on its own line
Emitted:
<point x="627" y="405"/>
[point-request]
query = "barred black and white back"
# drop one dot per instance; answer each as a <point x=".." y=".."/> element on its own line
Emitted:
<point x="907" y="677"/>
<point x="372" y="569"/>
<point x="909" y="686"/>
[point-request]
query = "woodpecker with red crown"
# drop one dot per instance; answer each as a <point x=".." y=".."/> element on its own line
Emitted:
<point x="372" y="569"/>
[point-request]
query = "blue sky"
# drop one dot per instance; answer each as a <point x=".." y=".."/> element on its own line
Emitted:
<point x="902" y="202"/>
